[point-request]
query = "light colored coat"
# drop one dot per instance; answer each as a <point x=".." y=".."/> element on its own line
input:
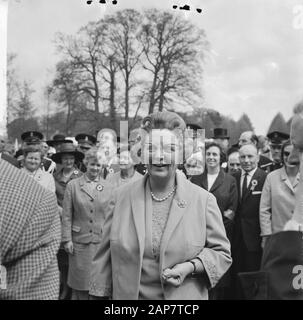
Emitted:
<point x="277" y="202"/>
<point x="194" y="229"/>
<point x="83" y="212"/>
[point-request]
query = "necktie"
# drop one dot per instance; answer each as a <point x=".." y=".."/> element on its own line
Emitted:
<point x="244" y="186"/>
<point x="105" y="172"/>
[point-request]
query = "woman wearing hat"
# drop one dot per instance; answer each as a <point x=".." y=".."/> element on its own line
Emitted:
<point x="32" y="158"/>
<point x="66" y="157"/>
<point x="163" y="236"/>
<point x="84" y="206"/>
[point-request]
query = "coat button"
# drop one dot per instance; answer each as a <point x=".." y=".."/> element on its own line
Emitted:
<point x="91" y="200"/>
<point x="91" y="221"/>
<point x="91" y="211"/>
<point x="90" y="231"/>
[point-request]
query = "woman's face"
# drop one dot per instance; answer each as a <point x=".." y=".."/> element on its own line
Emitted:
<point x="213" y="157"/>
<point x="32" y="161"/>
<point x="126" y="161"/>
<point x="94" y="167"/>
<point x="161" y="153"/>
<point x="287" y="151"/>
<point x="68" y="161"/>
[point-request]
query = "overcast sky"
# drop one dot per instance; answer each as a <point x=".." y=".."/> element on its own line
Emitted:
<point x="256" y="60"/>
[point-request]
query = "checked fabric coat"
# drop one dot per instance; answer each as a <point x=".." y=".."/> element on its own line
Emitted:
<point x="30" y="236"/>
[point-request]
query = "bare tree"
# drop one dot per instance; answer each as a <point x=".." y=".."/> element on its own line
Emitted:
<point x="173" y="53"/>
<point x="123" y="30"/>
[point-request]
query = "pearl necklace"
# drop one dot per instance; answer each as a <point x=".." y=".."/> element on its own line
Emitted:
<point x="163" y="199"/>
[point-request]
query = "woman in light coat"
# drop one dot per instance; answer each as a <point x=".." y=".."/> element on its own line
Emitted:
<point x="278" y="195"/>
<point x="164" y="237"/>
<point x="84" y="211"/>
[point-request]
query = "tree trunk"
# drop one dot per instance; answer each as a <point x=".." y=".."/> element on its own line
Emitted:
<point x="126" y="96"/>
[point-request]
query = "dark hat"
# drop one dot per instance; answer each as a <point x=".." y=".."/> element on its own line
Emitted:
<point x="58" y="139"/>
<point x="86" y="140"/>
<point x="32" y="137"/>
<point x="67" y="148"/>
<point x="220" y="133"/>
<point x="277" y="137"/>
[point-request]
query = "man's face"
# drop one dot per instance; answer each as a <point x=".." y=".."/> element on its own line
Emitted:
<point x="248" y="157"/>
<point x="244" y="139"/>
<point x="296" y="137"/>
<point x="234" y="162"/>
<point x="275" y="150"/>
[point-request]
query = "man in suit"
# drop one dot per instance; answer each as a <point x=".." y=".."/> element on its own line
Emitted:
<point x="247" y="241"/>
<point x="30" y="235"/>
<point x="248" y="137"/>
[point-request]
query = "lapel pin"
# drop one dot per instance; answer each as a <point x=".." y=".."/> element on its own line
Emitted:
<point x="99" y="187"/>
<point x="110" y="170"/>
<point x="182" y="204"/>
<point x="76" y="172"/>
<point x="253" y="185"/>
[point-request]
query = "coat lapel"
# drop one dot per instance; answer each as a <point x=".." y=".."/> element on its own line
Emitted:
<point x="218" y="182"/>
<point x="138" y="204"/>
<point x="84" y="188"/>
<point x="204" y="183"/>
<point x="285" y="179"/>
<point x="254" y="177"/>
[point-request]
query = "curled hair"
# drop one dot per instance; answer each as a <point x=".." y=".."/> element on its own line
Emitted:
<point x="214" y="144"/>
<point x="32" y="148"/>
<point x="284" y="145"/>
<point x="163" y="120"/>
<point x="92" y="154"/>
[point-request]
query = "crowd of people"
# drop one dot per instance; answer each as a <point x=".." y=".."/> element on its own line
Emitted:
<point x="147" y="219"/>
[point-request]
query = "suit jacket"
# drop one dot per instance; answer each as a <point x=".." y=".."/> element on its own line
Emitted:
<point x="281" y="273"/>
<point x="194" y="228"/>
<point x="84" y="210"/>
<point x="277" y="201"/>
<point x="29" y="237"/>
<point x="247" y="216"/>
<point x="224" y="189"/>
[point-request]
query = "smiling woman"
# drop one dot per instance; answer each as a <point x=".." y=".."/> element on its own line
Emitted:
<point x="182" y="249"/>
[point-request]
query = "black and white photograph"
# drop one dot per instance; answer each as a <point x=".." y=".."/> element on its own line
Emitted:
<point x="151" y="150"/>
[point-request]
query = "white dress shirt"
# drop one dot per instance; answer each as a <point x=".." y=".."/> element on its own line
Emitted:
<point x="249" y="177"/>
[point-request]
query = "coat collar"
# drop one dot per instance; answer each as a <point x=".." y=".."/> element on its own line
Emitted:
<point x="218" y="182"/>
<point x="285" y="179"/>
<point x="180" y="202"/>
<point x="84" y="185"/>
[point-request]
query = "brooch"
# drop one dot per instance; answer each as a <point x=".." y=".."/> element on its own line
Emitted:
<point x="99" y="187"/>
<point x="76" y="172"/>
<point x="110" y="170"/>
<point x="182" y="204"/>
<point x="253" y="185"/>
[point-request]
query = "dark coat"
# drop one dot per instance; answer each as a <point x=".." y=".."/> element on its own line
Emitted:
<point x="278" y="276"/>
<point x="247" y="216"/>
<point x="225" y="191"/>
